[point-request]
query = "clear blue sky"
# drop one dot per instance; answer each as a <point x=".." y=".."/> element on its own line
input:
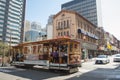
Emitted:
<point x="40" y="10"/>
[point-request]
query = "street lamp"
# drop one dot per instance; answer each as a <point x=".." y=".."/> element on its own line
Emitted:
<point x="9" y="54"/>
<point x="3" y="55"/>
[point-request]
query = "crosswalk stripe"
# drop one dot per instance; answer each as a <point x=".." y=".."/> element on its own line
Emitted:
<point x="10" y="70"/>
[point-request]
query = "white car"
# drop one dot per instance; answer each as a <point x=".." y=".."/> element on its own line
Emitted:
<point x="102" y="59"/>
<point x="116" y="58"/>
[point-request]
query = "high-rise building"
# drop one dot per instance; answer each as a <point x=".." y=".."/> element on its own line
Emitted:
<point x="90" y="9"/>
<point x="31" y="35"/>
<point x="12" y="14"/>
<point x="34" y="32"/>
<point x="27" y="27"/>
<point x="49" y="27"/>
<point x="36" y="26"/>
<point x="34" y="35"/>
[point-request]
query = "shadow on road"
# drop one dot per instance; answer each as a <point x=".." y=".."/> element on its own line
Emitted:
<point x="118" y="66"/>
<point x="38" y="74"/>
<point x="99" y="74"/>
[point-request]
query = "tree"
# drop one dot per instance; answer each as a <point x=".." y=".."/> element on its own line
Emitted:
<point x="4" y="48"/>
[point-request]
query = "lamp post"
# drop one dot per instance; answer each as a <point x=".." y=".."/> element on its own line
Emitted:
<point x="9" y="54"/>
<point x="3" y="55"/>
<point x="10" y="44"/>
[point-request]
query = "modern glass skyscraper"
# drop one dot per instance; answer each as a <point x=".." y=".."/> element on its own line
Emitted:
<point x="90" y="9"/>
<point x="36" y="26"/>
<point x="34" y="35"/>
<point x="12" y="13"/>
<point x="31" y="35"/>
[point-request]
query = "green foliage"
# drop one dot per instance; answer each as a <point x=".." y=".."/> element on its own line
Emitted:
<point x="4" y="48"/>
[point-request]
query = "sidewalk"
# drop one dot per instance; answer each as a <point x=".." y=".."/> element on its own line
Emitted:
<point x="5" y="65"/>
<point x="4" y="76"/>
<point x="88" y="60"/>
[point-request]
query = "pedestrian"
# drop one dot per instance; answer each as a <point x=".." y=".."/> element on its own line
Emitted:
<point x="90" y="57"/>
<point x="11" y="60"/>
<point x="55" y="56"/>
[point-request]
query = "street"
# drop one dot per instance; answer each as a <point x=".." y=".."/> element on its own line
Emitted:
<point x="88" y="71"/>
<point x="59" y="40"/>
<point x="92" y="71"/>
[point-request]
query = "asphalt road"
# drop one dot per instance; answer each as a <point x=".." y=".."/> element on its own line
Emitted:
<point x="92" y="71"/>
<point x="88" y="71"/>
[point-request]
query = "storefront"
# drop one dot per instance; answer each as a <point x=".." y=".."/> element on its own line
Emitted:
<point x="88" y="50"/>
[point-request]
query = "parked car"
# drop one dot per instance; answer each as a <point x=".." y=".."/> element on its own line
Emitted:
<point x="102" y="59"/>
<point x="116" y="58"/>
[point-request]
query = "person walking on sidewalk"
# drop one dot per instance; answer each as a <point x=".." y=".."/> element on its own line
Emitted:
<point x="90" y="57"/>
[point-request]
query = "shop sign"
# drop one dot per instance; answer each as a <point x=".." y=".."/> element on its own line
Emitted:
<point x="89" y="46"/>
<point x="87" y="33"/>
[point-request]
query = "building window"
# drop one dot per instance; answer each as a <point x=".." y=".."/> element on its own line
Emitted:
<point x="58" y="25"/>
<point x="91" y="39"/>
<point x="61" y="25"/>
<point x="67" y="23"/>
<point x="81" y="25"/>
<point x="88" y="38"/>
<point x="91" y="30"/>
<point x="83" y="37"/>
<point x="64" y="33"/>
<point x="79" y="36"/>
<point x="63" y="15"/>
<point x="78" y="24"/>
<point x="61" y="34"/>
<point x="67" y="33"/>
<point x="64" y="24"/>
<point x="88" y="28"/>
<point x="85" y="27"/>
<point x="58" y="34"/>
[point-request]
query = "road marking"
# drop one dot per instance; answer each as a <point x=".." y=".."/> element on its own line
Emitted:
<point x="3" y="70"/>
<point x="8" y="70"/>
<point x="117" y="76"/>
<point x="117" y="70"/>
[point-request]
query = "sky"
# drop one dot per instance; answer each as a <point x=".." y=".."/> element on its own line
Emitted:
<point x="40" y="10"/>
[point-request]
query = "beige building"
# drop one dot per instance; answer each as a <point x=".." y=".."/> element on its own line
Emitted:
<point x="27" y="27"/>
<point x="73" y="25"/>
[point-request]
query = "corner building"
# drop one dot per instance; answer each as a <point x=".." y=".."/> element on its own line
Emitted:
<point x="73" y="25"/>
<point x="12" y="13"/>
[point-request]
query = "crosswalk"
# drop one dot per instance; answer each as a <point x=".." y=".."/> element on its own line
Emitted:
<point x="8" y="70"/>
